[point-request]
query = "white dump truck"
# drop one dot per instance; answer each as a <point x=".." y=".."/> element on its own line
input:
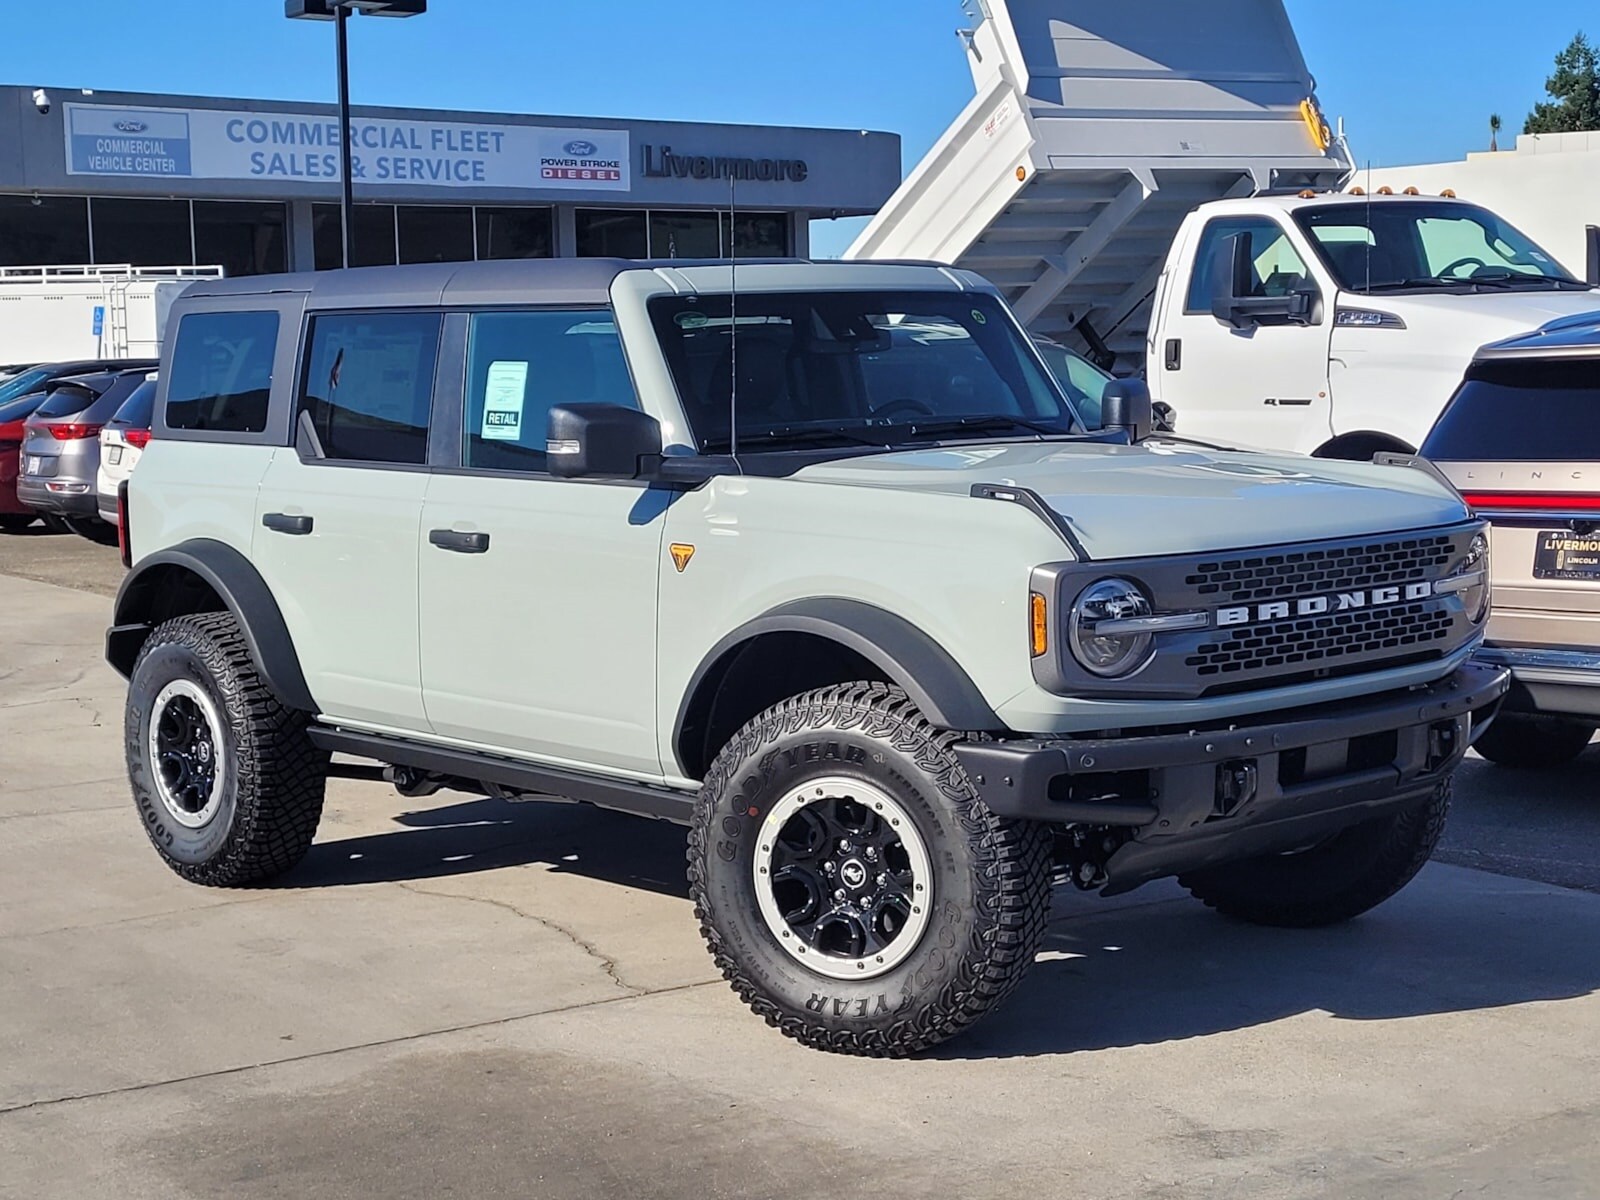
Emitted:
<point x="1155" y="184"/>
<point x="58" y="313"/>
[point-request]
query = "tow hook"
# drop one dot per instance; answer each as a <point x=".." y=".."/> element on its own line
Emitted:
<point x="1236" y="786"/>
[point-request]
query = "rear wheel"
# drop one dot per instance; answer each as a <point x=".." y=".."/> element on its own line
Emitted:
<point x="1519" y="740"/>
<point x="93" y="528"/>
<point x="849" y="882"/>
<point x="1342" y="877"/>
<point x="226" y="779"/>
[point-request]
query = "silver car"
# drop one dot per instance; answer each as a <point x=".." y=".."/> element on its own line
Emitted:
<point x="61" y="448"/>
<point x="1521" y="441"/>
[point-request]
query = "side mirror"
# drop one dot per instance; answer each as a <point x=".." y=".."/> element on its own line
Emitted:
<point x="600" y="441"/>
<point x="1233" y="281"/>
<point x="1165" y="417"/>
<point x="1125" y="405"/>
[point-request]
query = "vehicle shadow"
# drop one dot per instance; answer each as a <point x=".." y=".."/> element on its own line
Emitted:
<point x="1453" y="941"/>
<point x="482" y="834"/>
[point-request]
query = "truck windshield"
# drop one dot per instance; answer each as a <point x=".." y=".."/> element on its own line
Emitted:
<point x="855" y="368"/>
<point x="1422" y="245"/>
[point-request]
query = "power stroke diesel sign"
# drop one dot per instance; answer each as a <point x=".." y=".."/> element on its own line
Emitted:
<point x="205" y="143"/>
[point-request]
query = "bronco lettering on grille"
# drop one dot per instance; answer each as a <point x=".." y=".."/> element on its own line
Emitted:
<point x="1312" y="606"/>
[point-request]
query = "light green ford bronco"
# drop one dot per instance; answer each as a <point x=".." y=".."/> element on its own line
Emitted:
<point x="817" y="559"/>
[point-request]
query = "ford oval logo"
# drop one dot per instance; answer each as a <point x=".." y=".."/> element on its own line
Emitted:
<point x="132" y="126"/>
<point x="581" y="149"/>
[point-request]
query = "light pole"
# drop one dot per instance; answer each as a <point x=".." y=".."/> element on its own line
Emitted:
<point x="338" y="11"/>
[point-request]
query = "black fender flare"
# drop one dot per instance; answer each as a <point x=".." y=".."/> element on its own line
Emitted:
<point x="907" y="656"/>
<point x="236" y="581"/>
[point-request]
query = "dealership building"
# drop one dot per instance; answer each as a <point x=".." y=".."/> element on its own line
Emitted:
<point x="253" y="186"/>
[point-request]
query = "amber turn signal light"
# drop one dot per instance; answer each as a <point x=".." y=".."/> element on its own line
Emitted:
<point x="1039" y="626"/>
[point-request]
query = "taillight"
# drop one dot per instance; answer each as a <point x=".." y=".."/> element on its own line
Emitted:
<point x="11" y="431"/>
<point x="124" y="542"/>
<point x="138" y="438"/>
<point x="72" y="431"/>
<point x="1532" y="501"/>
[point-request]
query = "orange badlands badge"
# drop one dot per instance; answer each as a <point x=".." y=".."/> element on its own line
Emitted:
<point x="682" y="552"/>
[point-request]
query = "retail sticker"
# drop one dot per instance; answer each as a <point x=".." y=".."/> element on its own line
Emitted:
<point x="502" y="401"/>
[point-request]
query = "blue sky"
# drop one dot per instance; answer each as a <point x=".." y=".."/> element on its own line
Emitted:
<point x="1415" y="80"/>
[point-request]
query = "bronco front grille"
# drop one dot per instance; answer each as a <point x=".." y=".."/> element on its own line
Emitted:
<point x="1313" y="641"/>
<point x="1301" y="572"/>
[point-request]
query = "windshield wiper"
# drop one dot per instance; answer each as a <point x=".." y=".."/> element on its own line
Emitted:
<point x="1429" y="281"/>
<point x="1522" y="279"/>
<point x="987" y="423"/>
<point x="799" y="435"/>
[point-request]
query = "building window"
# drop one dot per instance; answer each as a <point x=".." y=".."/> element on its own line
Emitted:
<point x="516" y="232"/>
<point x="372" y="238"/>
<point x="434" y="233"/>
<point x="685" y="235"/>
<point x="759" y="235"/>
<point x="613" y="233"/>
<point x="241" y="237"/>
<point x="43" y="230"/>
<point x="145" y="233"/>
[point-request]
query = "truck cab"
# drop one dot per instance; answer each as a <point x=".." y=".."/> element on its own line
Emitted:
<point x="1349" y="325"/>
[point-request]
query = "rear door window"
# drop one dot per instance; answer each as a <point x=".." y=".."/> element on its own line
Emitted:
<point x="368" y="387"/>
<point x="1521" y="411"/>
<point x="520" y="365"/>
<point x="222" y="371"/>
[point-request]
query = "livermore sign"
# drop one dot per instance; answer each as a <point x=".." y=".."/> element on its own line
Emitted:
<point x="205" y="143"/>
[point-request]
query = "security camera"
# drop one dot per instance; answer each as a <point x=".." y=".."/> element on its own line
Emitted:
<point x="41" y="101"/>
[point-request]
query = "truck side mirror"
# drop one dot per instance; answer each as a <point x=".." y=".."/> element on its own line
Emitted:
<point x="1233" y="301"/>
<point x="1591" y="272"/>
<point x="1125" y="405"/>
<point x="600" y="441"/>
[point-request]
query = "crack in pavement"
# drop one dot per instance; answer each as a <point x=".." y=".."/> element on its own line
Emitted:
<point x="399" y="1040"/>
<point x="606" y="961"/>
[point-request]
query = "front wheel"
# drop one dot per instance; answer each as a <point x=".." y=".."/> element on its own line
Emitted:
<point x="850" y="883"/>
<point x="1335" y="880"/>
<point x="1517" y="740"/>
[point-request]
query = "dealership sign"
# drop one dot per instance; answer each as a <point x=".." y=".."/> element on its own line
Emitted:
<point x="207" y="143"/>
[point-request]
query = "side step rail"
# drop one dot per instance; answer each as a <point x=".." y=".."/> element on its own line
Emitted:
<point x="620" y="795"/>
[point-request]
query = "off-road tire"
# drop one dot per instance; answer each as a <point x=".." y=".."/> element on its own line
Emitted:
<point x="1357" y="869"/>
<point x="1518" y="740"/>
<point x="272" y="794"/>
<point x="990" y="876"/>
<point x="15" y="522"/>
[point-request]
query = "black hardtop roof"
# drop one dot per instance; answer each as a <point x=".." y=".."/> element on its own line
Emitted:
<point x="1576" y="336"/>
<point x="501" y="281"/>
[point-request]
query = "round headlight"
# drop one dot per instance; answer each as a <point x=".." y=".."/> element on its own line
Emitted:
<point x="1108" y="653"/>
<point x="1475" y="599"/>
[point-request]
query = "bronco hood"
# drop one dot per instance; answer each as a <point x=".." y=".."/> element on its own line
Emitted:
<point x="1170" y="497"/>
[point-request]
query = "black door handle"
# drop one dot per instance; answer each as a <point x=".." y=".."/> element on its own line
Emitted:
<point x="462" y="543"/>
<point x="284" y="523"/>
<point x="1174" y="359"/>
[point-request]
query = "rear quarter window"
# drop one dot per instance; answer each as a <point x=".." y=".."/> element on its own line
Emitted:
<point x="221" y="376"/>
<point x="1521" y="411"/>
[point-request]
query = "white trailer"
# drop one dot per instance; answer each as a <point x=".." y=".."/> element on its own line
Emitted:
<point x="53" y="313"/>
<point x="1096" y="128"/>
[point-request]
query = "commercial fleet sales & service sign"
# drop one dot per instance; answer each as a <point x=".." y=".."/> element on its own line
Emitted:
<point x="206" y="143"/>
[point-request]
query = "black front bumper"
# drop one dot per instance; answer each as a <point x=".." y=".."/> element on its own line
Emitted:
<point x="1211" y="795"/>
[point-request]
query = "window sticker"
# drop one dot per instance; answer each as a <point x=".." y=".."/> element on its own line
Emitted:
<point x="502" y="400"/>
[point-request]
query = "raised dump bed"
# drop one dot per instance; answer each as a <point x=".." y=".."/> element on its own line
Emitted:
<point x="1095" y="128"/>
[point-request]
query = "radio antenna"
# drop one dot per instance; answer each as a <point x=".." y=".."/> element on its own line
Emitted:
<point x="733" y="316"/>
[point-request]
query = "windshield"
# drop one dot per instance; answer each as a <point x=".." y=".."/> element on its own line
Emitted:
<point x="138" y="409"/>
<point x="1418" y="245"/>
<point x="867" y="368"/>
<point x="1082" y="381"/>
<point x="21" y="385"/>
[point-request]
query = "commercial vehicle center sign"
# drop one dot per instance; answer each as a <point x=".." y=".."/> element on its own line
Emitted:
<point x="206" y="143"/>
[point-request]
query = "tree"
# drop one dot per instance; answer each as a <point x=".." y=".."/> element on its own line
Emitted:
<point x="1575" y="92"/>
<point x="1494" y="132"/>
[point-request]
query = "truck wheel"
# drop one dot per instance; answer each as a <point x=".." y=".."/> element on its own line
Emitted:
<point x="1356" y="869"/>
<point x="227" y="782"/>
<point x="1516" y="740"/>
<point x="851" y="885"/>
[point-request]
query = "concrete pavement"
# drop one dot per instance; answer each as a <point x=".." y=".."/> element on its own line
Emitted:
<point x="486" y="999"/>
